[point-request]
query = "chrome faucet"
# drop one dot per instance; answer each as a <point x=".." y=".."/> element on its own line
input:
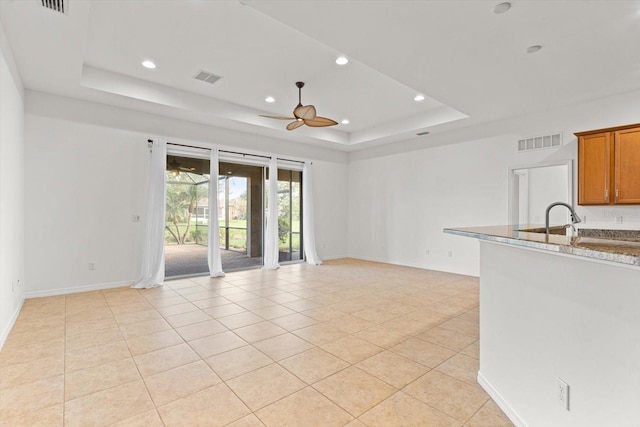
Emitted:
<point x="574" y="216"/>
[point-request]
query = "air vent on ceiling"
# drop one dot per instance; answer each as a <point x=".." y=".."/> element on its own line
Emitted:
<point x="56" y="5"/>
<point x="206" y="77"/>
<point x="540" y="142"/>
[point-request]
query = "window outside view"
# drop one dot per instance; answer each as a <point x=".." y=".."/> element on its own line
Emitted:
<point x="242" y="194"/>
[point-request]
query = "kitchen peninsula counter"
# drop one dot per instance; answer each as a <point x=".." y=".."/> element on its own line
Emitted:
<point x="619" y="246"/>
<point x="560" y="308"/>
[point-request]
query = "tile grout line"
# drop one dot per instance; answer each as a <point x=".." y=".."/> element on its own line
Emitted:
<point x="335" y="290"/>
<point x="135" y="364"/>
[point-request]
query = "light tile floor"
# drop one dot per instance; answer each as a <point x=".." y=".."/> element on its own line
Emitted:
<point x="348" y="343"/>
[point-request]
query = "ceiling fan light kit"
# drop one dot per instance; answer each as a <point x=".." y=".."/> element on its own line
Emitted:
<point x="304" y="115"/>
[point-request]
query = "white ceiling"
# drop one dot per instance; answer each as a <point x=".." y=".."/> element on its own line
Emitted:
<point x="469" y="62"/>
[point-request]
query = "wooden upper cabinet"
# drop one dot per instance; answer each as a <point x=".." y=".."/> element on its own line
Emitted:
<point x="627" y="170"/>
<point x="594" y="172"/>
<point x="609" y="166"/>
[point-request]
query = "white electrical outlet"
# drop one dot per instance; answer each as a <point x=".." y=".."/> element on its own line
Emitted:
<point x="428" y="252"/>
<point x="135" y="218"/>
<point x="584" y="219"/>
<point x="619" y="219"/>
<point x="562" y="393"/>
<point x="450" y="254"/>
<point x="92" y="265"/>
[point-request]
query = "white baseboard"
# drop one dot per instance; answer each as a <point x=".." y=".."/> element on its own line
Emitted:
<point x="76" y="289"/>
<point x="331" y="257"/>
<point x="12" y="321"/>
<point x="503" y="404"/>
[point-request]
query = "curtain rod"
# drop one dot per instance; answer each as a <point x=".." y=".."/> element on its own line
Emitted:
<point x="229" y="152"/>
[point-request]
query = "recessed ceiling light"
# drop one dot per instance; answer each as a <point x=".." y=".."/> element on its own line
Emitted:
<point x="270" y="99"/>
<point x="534" y="48"/>
<point x="419" y="98"/>
<point x="148" y="64"/>
<point x="342" y="60"/>
<point x="501" y="8"/>
<point x="345" y="121"/>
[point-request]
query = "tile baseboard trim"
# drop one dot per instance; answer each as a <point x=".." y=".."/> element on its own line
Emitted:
<point x="11" y="322"/>
<point x="77" y="289"/>
<point x="503" y="404"/>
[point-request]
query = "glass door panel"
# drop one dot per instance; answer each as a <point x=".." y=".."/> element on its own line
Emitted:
<point x="289" y="215"/>
<point x="234" y="213"/>
<point x="240" y="214"/>
<point x="187" y="222"/>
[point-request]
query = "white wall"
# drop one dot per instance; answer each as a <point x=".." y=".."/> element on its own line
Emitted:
<point x="12" y="279"/>
<point x="544" y="189"/>
<point x="399" y="204"/>
<point x="86" y="167"/>
<point x="401" y="196"/>
<point x="83" y="184"/>
<point x="330" y="203"/>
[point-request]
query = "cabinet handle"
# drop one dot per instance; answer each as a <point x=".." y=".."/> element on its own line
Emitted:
<point x="606" y="195"/>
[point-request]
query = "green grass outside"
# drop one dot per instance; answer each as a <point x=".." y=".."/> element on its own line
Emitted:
<point x="237" y="238"/>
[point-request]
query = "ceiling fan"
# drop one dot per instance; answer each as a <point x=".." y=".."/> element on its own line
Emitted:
<point x="304" y="115"/>
<point x="174" y="167"/>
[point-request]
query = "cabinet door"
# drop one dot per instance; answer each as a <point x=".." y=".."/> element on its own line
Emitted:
<point x="627" y="166"/>
<point x="594" y="157"/>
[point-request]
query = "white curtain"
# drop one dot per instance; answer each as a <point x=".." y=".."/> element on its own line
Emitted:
<point x="308" y="231"/>
<point x="271" y="233"/>
<point x="153" y="249"/>
<point x="214" y="258"/>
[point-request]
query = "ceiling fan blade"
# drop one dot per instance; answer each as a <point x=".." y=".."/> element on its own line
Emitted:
<point x="320" y="122"/>
<point x="295" y="125"/>
<point x="305" y="112"/>
<point x="277" y="117"/>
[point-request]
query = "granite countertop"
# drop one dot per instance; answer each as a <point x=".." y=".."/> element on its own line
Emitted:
<point x="619" y="246"/>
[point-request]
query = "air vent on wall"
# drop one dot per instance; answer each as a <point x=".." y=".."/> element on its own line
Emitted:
<point x="55" y="5"/>
<point x="540" y="142"/>
<point x="206" y="77"/>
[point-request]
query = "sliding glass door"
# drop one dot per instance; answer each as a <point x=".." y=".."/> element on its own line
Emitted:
<point x="289" y="215"/>
<point x="241" y="215"/>
<point x="187" y="220"/>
